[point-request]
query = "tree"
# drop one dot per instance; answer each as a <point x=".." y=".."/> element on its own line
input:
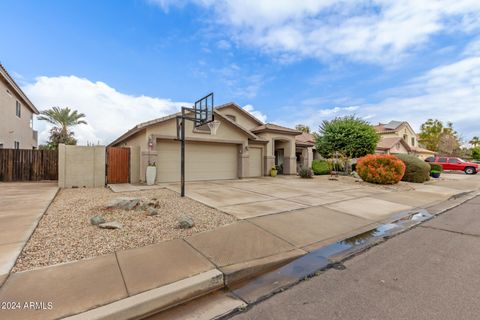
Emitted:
<point x="302" y="128"/>
<point x="475" y="142"/>
<point x="476" y="153"/>
<point x="62" y="119"/>
<point x="437" y="137"/>
<point x="352" y="137"/>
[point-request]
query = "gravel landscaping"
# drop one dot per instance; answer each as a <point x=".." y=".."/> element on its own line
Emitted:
<point x="66" y="234"/>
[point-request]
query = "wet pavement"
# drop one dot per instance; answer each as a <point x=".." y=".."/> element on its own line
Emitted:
<point x="429" y="272"/>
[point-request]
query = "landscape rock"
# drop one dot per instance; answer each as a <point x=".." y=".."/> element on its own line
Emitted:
<point x="95" y="220"/>
<point x="111" y="225"/>
<point x="186" y="223"/>
<point x="355" y="175"/>
<point x="124" y="203"/>
<point x="152" y="211"/>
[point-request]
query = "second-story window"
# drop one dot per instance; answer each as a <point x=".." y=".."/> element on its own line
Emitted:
<point x="16" y="145"/>
<point x="413" y="142"/>
<point x="18" y="109"/>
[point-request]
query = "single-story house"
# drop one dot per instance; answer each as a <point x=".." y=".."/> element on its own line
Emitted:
<point x="242" y="147"/>
<point x="399" y="137"/>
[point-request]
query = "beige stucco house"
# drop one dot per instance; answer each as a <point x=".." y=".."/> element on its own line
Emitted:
<point x="242" y="147"/>
<point x="399" y="137"/>
<point x="16" y="115"/>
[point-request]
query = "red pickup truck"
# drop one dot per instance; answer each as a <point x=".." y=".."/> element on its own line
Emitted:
<point x="454" y="163"/>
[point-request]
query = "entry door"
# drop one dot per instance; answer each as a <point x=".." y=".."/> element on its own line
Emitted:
<point x="118" y="165"/>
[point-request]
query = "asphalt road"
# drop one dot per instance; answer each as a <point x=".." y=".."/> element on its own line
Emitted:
<point x="429" y="272"/>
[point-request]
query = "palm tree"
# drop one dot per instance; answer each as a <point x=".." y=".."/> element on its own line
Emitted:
<point x="62" y="119"/>
<point x="475" y="141"/>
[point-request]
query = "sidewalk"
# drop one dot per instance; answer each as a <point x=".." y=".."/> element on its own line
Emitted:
<point x="22" y="204"/>
<point x="430" y="272"/>
<point x="145" y="280"/>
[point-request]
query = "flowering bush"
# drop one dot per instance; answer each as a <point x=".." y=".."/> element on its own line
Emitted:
<point x="380" y="168"/>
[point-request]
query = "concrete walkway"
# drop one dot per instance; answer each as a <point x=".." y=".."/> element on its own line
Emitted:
<point x="21" y="207"/>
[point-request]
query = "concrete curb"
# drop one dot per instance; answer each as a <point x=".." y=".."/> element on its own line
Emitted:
<point x="153" y="301"/>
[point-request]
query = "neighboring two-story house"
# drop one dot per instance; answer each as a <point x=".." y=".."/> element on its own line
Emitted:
<point x="399" y="137"/>
<point x="16" y="115"/>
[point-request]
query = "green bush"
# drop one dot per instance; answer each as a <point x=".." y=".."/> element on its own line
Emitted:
<point x="417" y="170"/>
<point x="305" y="173"/>
<point x="320" y="167"/>
<point x="380" y="168"/>
<point x="436" y="167"/>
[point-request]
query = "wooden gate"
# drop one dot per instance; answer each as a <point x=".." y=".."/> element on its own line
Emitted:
<point x="118" y="165"/>
<point x="28" y="165"/>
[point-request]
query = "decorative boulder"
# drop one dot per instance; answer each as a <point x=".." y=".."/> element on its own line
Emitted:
<point x="186" y="223"/>
<point x="152" y="211"/>
<point x="124" y="203"/>
<point x="96" y="220"/>
<point x="111" y="225"/>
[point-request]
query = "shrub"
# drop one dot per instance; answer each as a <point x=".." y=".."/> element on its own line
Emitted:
<point x="320" y="167"/>
<point x="350" y="136"/>
<point x="417" y="171"/>
<point x="380" y="168"/>
<point x="436" y="167"/>
<point x="306" y="173"/>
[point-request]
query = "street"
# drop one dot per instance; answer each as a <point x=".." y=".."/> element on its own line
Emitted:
<point x="429" y="272"/>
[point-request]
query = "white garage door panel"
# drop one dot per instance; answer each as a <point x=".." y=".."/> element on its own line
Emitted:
<point x="203" y="161"/>
<point x="255" y="162"/>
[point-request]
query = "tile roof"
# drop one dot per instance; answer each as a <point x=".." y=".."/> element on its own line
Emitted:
<point x="389" y="143"/>
<point x="275" y="127"/>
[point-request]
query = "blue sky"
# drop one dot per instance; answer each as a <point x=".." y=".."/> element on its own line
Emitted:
<point x="289" y="62"/>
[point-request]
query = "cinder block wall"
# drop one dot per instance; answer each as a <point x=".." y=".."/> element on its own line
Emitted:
<point x="81" y="166"/>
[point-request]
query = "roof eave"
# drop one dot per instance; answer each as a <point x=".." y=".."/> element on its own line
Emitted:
<point x="17" y="88"/>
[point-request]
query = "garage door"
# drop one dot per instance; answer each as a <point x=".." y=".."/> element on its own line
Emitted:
<point x="203" y="161"/>
<point x="255" y="162"/>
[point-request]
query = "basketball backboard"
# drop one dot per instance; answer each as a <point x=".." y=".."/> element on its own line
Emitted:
<point x="203" y="110"/>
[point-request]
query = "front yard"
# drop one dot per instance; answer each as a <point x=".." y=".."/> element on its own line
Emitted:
<point x="65" y="233"/>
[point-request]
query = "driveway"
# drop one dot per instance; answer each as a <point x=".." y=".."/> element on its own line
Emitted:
<point x="251" y="198"/>
<point x="310" y="213"/>
<point x="21" y="207"/>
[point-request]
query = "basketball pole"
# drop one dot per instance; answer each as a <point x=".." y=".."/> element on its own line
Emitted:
<point x="180" y="119"/>
<point x="182" y="155"/>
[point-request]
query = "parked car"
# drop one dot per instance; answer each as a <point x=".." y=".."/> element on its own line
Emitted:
<point x="454" y="163"/>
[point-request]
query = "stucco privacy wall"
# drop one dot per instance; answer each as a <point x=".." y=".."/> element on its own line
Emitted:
<point x="81" y="166"/>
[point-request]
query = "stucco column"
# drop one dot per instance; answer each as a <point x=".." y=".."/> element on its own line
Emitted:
<point x="289" y="158"/>
<point x="309" y="156"/>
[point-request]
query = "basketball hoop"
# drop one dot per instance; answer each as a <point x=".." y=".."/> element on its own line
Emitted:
<point x="213" y="125"/>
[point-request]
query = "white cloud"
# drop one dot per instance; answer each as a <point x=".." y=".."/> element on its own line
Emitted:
<point x="378" y="31"/>
<point x="257" y="114"/>
<point x="109" y="113"/>
<point x="449" y="92"/>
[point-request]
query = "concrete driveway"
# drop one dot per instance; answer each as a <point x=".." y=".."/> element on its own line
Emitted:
<point x="21" y="207"/>
<point x="251" y="198"/>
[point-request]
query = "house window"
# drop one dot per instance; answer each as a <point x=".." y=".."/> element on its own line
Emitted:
<point x="231" y="117"/>
<point x="31" y="121"/>
<point x="18" y="109"/>
<point x="1" y="145"/>
<point x="16" y="145"/>
<point x="405" y="137"/>
<point x="413" y="142"/>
